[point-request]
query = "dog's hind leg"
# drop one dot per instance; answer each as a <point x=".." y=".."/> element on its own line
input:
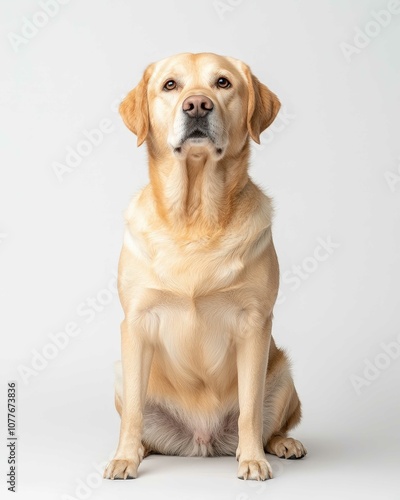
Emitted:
<point x="282" y="409"/>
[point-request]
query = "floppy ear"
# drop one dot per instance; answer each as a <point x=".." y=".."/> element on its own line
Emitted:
<point x="263" y="106"/>
<point x="134" y="109"/>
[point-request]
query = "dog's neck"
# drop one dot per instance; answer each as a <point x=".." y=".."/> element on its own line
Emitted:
<point x="198" y="192"/>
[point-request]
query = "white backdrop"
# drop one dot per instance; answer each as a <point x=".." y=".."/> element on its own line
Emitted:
<point x="331" y="161"/>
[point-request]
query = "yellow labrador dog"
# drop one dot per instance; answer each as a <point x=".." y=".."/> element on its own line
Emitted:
<point x="198" y="277"/>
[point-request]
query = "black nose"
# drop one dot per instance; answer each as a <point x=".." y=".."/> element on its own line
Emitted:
<point x="197" y="106"/>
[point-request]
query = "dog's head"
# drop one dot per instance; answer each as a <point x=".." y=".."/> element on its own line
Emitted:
<point x="202" y="100"/>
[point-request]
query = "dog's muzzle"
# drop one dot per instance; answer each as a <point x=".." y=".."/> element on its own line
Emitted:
<point x="197" y="110"/>
<point x="198" y="116"/>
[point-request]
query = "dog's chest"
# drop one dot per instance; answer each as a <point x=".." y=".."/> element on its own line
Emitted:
<point x="190" y="305"/>
<point x="195" y="335"/>
<point x="195" y="313"/>
<point x="193" y="299"/>
<point x="193" y="268"/>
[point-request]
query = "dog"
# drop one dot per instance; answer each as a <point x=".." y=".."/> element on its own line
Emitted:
<point x="198" y="277"/>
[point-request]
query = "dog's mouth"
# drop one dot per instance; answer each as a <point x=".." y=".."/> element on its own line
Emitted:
<point x="197" y="134"/>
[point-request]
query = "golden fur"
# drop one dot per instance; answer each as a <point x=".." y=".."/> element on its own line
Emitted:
<point x="198" y="279"/>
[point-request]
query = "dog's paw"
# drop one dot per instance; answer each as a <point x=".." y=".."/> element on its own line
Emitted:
<point x="121" y="469"/>
<point x="286" y="448"/>
<point x="260" y="470"/>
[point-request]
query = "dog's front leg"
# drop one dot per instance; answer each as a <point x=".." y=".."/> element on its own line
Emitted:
<point x="136" y="362"/>
<point x="252" y="358"/>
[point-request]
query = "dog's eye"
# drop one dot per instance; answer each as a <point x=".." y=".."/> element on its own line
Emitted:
<point x="170" y="85"/>
<point x="223" y="83"/>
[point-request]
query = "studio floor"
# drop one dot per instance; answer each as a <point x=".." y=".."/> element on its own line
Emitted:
<point x="337" y="467"/>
